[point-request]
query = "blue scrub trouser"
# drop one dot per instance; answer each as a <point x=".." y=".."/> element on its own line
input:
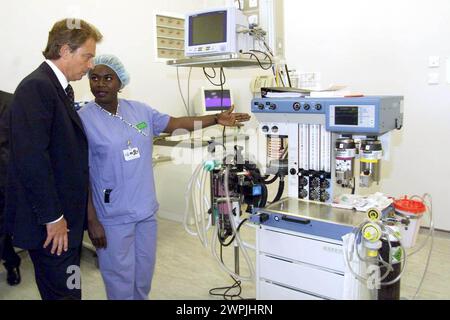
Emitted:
<point x="128" y="262"/>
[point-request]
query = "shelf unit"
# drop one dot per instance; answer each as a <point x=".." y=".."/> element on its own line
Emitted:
<point x="169" y="40"/>
<point x="235" y="60"/>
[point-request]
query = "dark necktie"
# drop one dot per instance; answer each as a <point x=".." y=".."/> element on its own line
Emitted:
<point x="70" y="94"/>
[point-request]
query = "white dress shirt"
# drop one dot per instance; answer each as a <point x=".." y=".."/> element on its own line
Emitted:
<point x="61" y="77"/>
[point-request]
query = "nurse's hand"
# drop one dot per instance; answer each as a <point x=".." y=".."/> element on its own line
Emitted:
<point x="230" y="119"/>
<point x="97" y="234"/>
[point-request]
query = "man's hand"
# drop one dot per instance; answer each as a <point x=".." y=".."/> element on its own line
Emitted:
<point x="97" y="234"/>
<point x="57" y="234"/>
<point x="230" y="119"/>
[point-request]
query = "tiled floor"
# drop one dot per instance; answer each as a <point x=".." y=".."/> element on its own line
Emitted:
<point x="187" y="270"/>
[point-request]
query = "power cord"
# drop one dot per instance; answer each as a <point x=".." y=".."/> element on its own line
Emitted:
<point x="237" y="283"/>
<point x="226" y="295"/>
<point x="210" y="78"/>
<point x="239" y="4"/>
<point x="269" y="54"/>
<point x="259" y="61"/>
<point x="189" y="92"/>
<point x="186" y="106"/>
<point x="222" y="79"/>
<point x="232" y="239"/>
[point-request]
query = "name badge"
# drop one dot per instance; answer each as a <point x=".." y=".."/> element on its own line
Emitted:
<point x="131" y="154"/>
<point x="142" y="125"/>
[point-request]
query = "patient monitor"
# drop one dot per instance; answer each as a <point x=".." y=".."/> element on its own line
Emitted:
<point x="213" y="100"/>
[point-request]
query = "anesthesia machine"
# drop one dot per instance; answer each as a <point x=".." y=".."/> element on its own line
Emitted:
<point x="331" y="238"/>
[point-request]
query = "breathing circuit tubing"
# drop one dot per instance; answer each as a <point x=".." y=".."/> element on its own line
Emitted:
<point x="195" y="191"/>
<point x="237" y="238"/>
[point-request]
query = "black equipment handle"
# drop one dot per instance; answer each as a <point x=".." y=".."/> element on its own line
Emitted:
<point x="295" y="220"/>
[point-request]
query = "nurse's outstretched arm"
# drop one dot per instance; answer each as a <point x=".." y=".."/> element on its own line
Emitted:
<point x="227" y="118"/>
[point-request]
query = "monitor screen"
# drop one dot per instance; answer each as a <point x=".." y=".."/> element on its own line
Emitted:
<point x="346" y="116"/>
<point x="207" y="28"/>
<point x="217" y="100"/>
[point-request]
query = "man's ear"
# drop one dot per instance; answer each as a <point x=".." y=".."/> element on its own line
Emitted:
<point x="64" y="51"/>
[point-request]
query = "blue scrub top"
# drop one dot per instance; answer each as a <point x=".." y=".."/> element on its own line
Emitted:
<point x="132" y="197"/>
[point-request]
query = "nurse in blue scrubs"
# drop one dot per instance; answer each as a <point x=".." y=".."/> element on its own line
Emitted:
<point x="122" y="205"/>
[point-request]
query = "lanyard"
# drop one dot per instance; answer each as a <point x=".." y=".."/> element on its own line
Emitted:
<point x="121" y="119"/>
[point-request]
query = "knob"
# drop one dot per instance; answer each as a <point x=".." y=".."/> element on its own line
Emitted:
<point x="260" y="106"/>
<point x="272" y="106"/>
<point x="325" y="184"/>
<point x="325" y="196"/>
<point x="303" y="194"/>
<point x="315" y="182"/>
<point x="293" y="171"/>
<point x="265" y="129"/>
<point x="274" y="129"/>
<point x="303" y="182"/>
<point x="314" y="195"/>
<point x="318" y="106"/>
<point x="307" y="107"/>
<point x="296" y="106"/>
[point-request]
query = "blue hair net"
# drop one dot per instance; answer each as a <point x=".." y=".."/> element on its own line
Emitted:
<point x="114" y="63"/>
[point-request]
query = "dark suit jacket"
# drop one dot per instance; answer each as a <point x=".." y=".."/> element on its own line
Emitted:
<point x="48" y="162"/>
<point x="5" y="100"/>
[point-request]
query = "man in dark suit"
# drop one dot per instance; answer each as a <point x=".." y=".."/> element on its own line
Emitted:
<point x="5" y="101"/>
<point x="47" y="184"/>
<point x="10" y="257"/>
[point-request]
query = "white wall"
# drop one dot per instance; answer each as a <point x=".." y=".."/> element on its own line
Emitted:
<point x="382" y="47"/>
